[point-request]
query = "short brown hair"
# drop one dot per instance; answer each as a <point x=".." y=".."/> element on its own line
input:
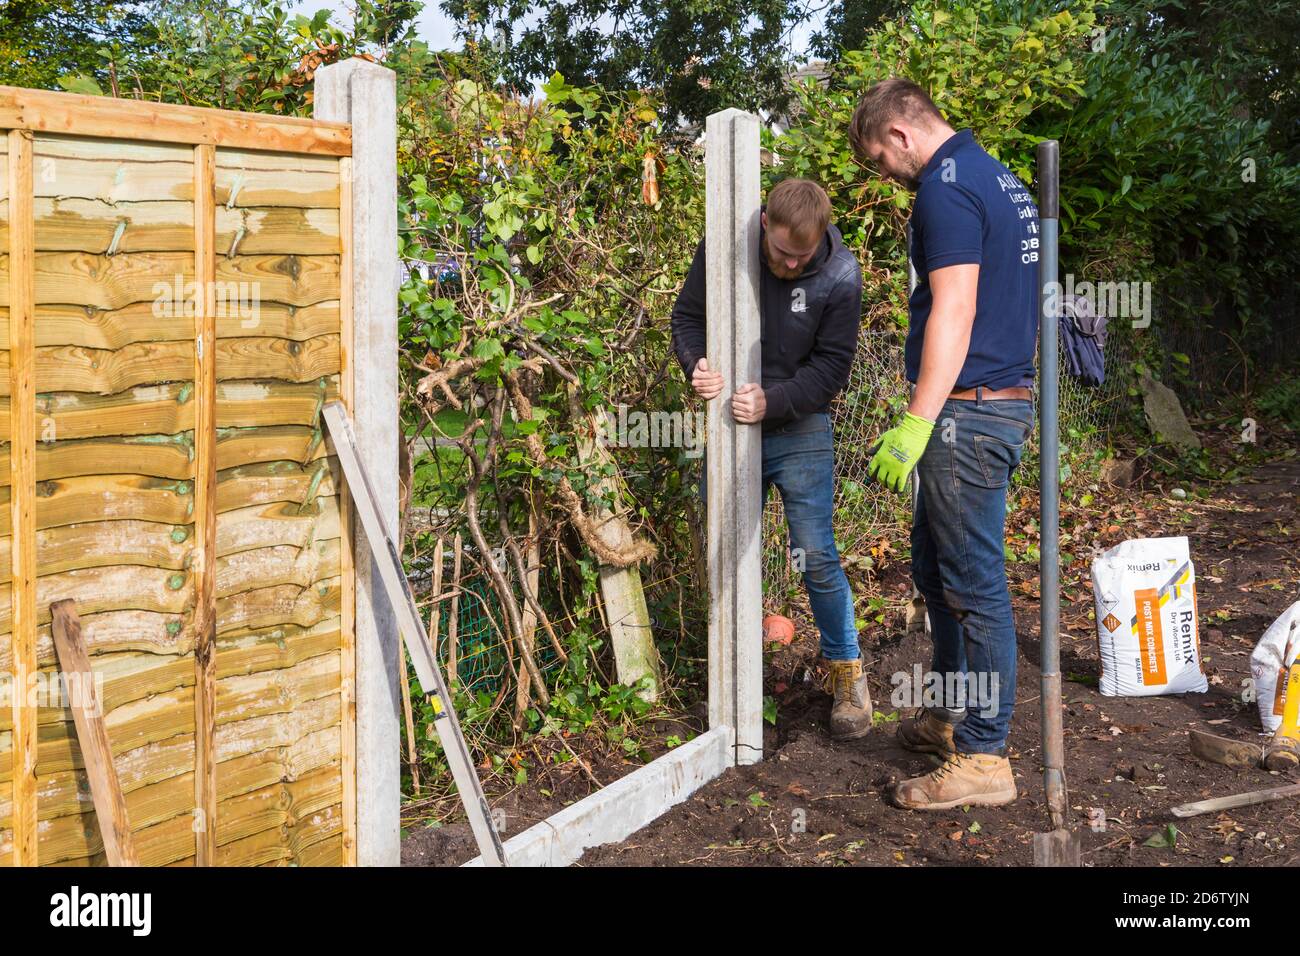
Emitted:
<point x="801" y="206"/>
<point x="886" y="101"/>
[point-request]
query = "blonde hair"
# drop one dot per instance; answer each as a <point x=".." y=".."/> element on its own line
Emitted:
<point x="801" y="206"/>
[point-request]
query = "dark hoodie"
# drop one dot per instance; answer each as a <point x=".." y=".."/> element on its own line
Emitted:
<point x="810" y="328"/>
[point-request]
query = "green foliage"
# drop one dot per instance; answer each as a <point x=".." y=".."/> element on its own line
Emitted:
<point x="54" y="44"/>
<point x="696" y="56"/>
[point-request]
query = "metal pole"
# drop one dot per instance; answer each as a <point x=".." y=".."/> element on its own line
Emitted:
<point x="918" y="618"/>
<point x="1049" y="484"/>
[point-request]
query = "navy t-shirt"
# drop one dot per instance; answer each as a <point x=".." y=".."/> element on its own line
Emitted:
<point x="970" y="208"/>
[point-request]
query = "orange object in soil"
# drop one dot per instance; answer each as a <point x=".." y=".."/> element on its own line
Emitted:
<point x="778" y="628"/>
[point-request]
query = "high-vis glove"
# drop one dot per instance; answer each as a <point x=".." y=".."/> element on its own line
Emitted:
<point x="898" y="451"/>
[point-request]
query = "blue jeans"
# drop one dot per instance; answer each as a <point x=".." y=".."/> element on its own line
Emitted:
<point x="799" y="459"/>
<point x="958" y="564"/>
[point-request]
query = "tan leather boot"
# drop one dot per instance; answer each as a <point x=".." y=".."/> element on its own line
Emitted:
<point x="925" y="733"/>
<point x="982" y="780"/>
<point x="1282" y="752"/>
<point x="851" y="712"/>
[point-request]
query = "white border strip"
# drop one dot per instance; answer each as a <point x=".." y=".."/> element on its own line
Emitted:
<point x="615" y="812"/>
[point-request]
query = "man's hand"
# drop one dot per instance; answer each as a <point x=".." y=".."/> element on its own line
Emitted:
<point x="899" y="449"/>
<point x="707" y="385"/>
<point x="749" y="404"/>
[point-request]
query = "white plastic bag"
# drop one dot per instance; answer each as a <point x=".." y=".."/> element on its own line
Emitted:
<point x="1273" y="656"/>
<point x="1145" y="593"/>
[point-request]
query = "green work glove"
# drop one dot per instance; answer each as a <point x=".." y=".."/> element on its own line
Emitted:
<point x="898" y="451"/>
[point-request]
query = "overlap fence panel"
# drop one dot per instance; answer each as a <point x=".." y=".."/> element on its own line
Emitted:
<point x="171" y="322"/>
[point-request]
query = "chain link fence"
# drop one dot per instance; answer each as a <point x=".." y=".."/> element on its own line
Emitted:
<point x="877" y="392"/>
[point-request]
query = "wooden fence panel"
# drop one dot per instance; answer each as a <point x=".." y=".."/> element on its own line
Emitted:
<point x="136" y="243"/>
<point x="97" y="253"/>
<point x="279" y="568"/>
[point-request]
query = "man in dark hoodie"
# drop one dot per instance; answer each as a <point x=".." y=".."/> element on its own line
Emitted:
<point x="811" y="305"/>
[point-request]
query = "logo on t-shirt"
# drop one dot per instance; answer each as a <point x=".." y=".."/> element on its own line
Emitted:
<point x="798" y="300"/>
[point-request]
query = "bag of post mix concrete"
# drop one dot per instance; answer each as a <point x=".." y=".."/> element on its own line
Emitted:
<point x="1272" y="658"/>
<point x="1145" y="592"/>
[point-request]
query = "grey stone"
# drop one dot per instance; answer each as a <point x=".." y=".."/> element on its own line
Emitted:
<point x="1165" y="414"/>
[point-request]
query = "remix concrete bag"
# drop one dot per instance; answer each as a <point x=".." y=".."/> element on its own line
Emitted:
<point x="1270" y="662"/>
<point x="1145" y="593"/>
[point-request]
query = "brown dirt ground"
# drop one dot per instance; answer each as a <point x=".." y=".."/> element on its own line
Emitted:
<point x="1126" y="756"/>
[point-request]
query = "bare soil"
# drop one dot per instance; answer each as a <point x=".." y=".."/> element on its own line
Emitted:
<point x="1127" y="759"/>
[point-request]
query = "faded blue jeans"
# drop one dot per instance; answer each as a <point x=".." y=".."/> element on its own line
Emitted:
<point x="958" y="564"/>
<point x="799" y="459"/>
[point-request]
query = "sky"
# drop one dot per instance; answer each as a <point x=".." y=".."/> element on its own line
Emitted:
<point x="436" y="29"/>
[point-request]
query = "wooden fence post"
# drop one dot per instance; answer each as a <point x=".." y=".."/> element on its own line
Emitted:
<point x="362" y="93"/>
<point x="734" y="452"/>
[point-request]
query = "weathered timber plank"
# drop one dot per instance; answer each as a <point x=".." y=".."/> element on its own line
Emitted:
<point x="147" y="631"/>
<point x="89" y="326"/>
<point x="282" y="807"/>
<point x="246" y="404"/>
<point x="72" y="500"/>
<point x="283" y="604"/>
<point x="135" y="724"/>
<point x="279" y="523"/>
<point x="277" y="319"/>
<point x="261" y="230"/>
<point x="100" y="228"/>
<point x="97" y="544"/>
<point x="205" y="515"/>
<point x="20" y="294"/>
<point x="92" y="739"/>
<point x="113" y="118"/>
<point x="162" y="456"/>
<point x="144" y="410"/>
<point x="71" y="368"/>
<point x="271" y="358"/>
<point x="110" y="589"/>
<point x="112" y="282"/>
<point x="279" y="691"/>
<point x="159" y="779"/>
<point x="275" y="481"/>
<point x="273" y="648"/>
<point x="246" y="446"/>
<point x="291" y="279"/>
<point x="283" y="564"/>
<point x="112" y="176"/>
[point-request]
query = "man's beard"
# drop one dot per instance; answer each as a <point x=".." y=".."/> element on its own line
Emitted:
<point x="911" y="178"/>
<point x="778" y="270"/>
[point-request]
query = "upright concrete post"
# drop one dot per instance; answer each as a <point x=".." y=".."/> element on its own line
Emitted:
<point x="734" y="455"/>
<point x="364" y="94"/>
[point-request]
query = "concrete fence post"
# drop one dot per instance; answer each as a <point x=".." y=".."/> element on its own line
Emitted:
<point x="364" y="94"/>
<point x="734" y="452"/>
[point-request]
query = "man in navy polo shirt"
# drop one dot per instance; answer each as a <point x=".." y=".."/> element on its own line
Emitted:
<point x="970" y="354"/>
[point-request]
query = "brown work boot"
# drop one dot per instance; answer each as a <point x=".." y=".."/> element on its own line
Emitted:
<point x="851" y="712"/>
<point x="982" y="780"/>
<point x="1282" y="753"/>
<point x="924" y="733"/>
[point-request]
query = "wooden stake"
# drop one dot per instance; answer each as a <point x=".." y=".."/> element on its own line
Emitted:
<point x="92" y="735"/>
<point x="205" y="513"/>
<point x="453" y="616"/>
<point x="1236" y="800"/>
<point x="22" y="491"/>
<point x="411" y="754"/>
